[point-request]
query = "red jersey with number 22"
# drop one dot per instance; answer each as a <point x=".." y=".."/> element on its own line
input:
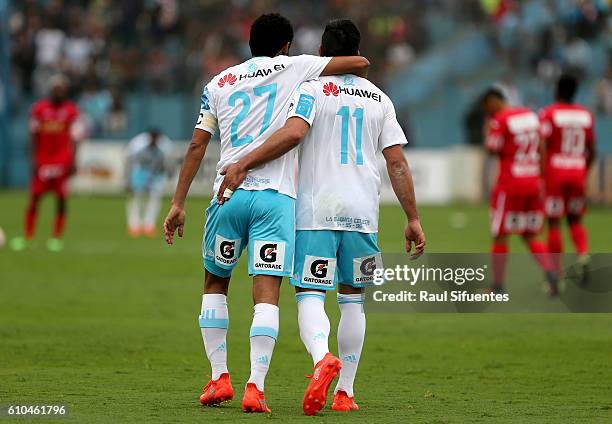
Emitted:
<point x="50" y="124"/>
<point x="514" y="135"/>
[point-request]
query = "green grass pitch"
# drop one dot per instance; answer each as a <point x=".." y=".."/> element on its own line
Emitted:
<point x="109" y="328"/>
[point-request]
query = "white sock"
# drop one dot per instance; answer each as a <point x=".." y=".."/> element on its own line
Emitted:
<point x="133" y="211"/>
<point x="351" y="333"/>
<point x="264" y="331"/>
<point x="213" y="323"/>
<point x="152" y="209"/>
<point x="313" y="322"/>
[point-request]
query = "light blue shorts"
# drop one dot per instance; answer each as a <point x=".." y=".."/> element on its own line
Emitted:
<point x="263" y="221"/>
<point x="325" y="257"/>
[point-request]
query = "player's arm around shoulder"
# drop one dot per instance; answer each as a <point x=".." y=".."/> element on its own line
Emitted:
<point x="308" y="66"/>
<point x="279" y="143"/>
<point x="301" y="112"/>
<point x="357" y="65"/>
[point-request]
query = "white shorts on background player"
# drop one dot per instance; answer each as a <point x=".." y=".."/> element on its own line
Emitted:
<point x="247" y="103"/>
<point x="339" y="184"/>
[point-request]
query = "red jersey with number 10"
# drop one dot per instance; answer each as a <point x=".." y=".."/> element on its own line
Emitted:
<point x="50" y="125"/>
<point x="514" y="135"/>
<point x="567" y="130"/>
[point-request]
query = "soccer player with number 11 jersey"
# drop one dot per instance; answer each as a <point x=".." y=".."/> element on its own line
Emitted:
<point x="342" y="122"/>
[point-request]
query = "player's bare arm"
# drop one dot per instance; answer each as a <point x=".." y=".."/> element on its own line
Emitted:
<point x="33" y="141"/>
<point x="357" y="65"/>
<point x="279" y="143"/>
<point x="401" y="181"/>
<point x="591" y="155"/>
<point x="193" y="158"/>
<point x="543" y="160"/>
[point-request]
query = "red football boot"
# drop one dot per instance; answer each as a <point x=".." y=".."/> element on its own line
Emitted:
<point x="342" y="402"/>
<point x="217" y="391"/>
<point x="254" y="400"/>
<point x="316" y="393"/>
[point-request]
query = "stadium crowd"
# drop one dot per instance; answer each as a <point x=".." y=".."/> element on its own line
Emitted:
<point x="110" y="47"/>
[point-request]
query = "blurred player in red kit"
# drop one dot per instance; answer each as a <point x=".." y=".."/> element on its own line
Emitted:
<point x="513" y="135"/>
<point x="569" y="141"/>
<point x="52" y="132"/>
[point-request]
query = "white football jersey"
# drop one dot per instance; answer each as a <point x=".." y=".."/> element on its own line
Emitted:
<point x="247" y="103"/>
<point x="351" y="120"/>
<point x="154" y="161"/>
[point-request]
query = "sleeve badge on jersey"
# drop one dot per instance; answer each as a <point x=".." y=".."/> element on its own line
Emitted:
<point x="304" y="106"/>
<point x="204" y="99"/>
<point x="348" y="81"/>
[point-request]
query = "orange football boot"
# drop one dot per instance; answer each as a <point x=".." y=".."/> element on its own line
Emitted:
<point x="254" y="400"/>
<point x="150" y="231"/>
<point x="217" y="391"/>
<point x="316" y="392"/>
<point x="342" y="402"/>
<point x="134" y="232"/>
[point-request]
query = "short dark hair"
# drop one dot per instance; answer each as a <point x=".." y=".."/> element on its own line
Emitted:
<point x="340" y="38"/>
<point x="566" y="87"/>
<point x="269" y="33"/>
<point x="493" y="92"/>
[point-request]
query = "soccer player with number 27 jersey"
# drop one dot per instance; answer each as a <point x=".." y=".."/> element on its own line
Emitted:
<point x="569" y="141"/>
<point x="344" y="122"/>
<point x="516" y="202"/>
<point x="246" y="103"/>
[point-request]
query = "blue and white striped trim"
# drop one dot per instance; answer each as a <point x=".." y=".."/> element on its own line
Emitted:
<point x="350" y="298"/>
<point x="208" y="320"/>
<point x="303" y="295"/>
<point x="264" y="331"/>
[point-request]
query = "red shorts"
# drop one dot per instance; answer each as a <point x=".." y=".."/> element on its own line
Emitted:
<point x="565" y="195"/>
<point x="51" y="177"/>
<point x="516" y="212"/>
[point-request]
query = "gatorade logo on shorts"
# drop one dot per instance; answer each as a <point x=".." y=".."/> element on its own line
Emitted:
<point x="364" y="267"/>
<point x="269" y="255"/>
<point x="226" y="251"/>
<point x="319" y="271"/>
<point x="368" y="266"/>
<point x="319" y="268"/>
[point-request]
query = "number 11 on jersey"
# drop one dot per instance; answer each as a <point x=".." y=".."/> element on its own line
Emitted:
<point x="345" y="113"/>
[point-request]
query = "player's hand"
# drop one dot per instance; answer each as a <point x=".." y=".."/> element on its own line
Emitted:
<point x="174" y="221"/>
<point x="234" y="176"/>
<point x="414" y="236"/>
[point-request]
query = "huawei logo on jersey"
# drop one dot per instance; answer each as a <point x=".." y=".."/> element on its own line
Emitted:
<point x="331" y="88"/>
<point x="229" y="78"/>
